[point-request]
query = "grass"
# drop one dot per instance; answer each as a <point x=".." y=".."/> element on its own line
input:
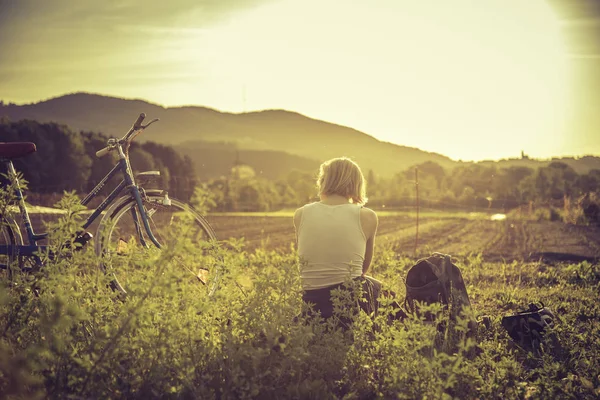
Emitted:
<point x="64" y="334"/>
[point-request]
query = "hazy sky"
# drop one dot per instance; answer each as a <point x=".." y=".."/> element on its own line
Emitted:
<point x="471" y="79"/>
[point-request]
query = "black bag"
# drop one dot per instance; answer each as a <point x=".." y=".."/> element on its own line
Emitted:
<point x="437" y="279"/>
<point x="527" y="327"/>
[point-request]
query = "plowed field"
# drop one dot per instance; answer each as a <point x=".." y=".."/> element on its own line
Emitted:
<point x="496" y="240"/>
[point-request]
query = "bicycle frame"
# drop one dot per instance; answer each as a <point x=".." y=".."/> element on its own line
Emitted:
<point x="32" y="249"/>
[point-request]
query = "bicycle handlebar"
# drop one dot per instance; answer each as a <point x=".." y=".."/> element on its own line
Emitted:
<point x="101" y="153"/>
<point x="137" y="126"/>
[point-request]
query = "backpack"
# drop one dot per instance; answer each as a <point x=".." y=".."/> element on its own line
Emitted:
<point x="437" y="279"/>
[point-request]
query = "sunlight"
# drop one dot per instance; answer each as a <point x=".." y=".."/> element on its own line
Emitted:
<point x="498" y="217"/>
<point x="468" y="79"/>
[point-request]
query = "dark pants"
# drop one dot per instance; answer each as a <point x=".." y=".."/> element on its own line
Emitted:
<point x="372" y="292"/>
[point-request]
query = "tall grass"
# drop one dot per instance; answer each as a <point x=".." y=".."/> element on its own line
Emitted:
<point x="65" y="334"/>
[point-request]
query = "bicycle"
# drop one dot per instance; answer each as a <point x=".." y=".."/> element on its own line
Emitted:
<point x="134" y="223"/>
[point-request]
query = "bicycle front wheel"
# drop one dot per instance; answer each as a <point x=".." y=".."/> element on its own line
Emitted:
<point x="175" y="225"/>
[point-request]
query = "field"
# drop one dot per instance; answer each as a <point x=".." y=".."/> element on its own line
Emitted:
<point x="460" y="233"/>
<point x="456" y="234"/>
<point x="76" y="339"/>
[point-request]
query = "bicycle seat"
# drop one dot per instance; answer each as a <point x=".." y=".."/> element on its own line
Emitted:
<point x="16" y="149"/>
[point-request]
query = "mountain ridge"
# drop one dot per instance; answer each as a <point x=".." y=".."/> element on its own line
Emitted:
<point x="273" y="129"/>
<point x="191" y="128"/>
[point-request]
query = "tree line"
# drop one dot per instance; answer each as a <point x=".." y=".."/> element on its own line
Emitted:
<point x="476" y="185"/>
<point x="470" y="186"/>
<point x="66" y="160"/>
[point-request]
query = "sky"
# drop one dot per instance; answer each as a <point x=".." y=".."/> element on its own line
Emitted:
<point x="470" y="79"/>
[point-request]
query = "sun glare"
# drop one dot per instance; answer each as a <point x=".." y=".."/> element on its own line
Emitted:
<point x="469" y="79"/>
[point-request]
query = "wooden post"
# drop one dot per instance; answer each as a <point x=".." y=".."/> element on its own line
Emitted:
<point x="417" y="189"/>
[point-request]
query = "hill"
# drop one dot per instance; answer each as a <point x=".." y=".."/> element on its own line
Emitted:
<point x="273" y="142"/>
<point x="213" y="159"/>
<point x="297" y="140"/>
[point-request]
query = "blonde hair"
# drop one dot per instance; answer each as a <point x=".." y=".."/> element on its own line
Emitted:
<point x="343" y="177"/>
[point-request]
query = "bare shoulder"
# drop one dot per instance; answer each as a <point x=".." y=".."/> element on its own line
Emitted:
<point x="369" y="221"/>
<point x="297" y="217"/>
<point x="368" y="215"/>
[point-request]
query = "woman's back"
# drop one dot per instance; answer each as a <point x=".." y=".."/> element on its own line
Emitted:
<point x="331" y="244"/>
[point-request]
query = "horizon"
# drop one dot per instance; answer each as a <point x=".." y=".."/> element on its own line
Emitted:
<point x="452" y="83"/>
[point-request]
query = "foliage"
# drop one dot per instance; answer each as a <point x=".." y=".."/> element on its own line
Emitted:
<point x="65" y="334"/>
<point x="66" y="160"/>
<point x="474" y="187"/>
<point x="203" y="199"/>
<point x="57" y="147"/>
<point x="583" y="210"/>
<point x="243" y="190"/>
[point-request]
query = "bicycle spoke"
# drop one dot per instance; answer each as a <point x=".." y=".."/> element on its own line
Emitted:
<point x="174" y="226"/>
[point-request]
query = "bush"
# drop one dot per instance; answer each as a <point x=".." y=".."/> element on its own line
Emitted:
<point x="64" y="334"/>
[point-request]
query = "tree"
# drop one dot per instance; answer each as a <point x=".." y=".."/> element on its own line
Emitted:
<point x="287" y="194"/>
<point x="60" y="163"/>
<point x="371" y="180"/>
<point x="141" y="160"/>
<point x="178" y="173"/>
<point x="251" y="198"/>
<point x="563" y="179"/>
<point x="467" y="197"/>
<point x="590" y="182"/>
<point x="304" y="186"/>
<point x="507" y="185"/>
<point x="542" y="183"/>
<point x="430" y="169"/>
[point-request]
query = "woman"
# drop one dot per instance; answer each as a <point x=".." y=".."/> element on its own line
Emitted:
<point x="336" y="236"/>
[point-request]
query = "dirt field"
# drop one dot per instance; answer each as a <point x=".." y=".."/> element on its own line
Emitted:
<point x="496" y="240"/>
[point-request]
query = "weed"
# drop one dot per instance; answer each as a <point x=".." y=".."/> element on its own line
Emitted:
<point x="64" y="333"/>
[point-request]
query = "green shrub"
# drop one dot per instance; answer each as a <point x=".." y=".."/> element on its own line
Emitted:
<point x="65" y="334"/>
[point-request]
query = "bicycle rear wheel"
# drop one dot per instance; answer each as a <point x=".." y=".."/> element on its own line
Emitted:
<point x="8" y="242"/>
<point x="175" y="224"/>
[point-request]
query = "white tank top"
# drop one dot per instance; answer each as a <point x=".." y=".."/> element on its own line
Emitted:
<point x="331" y="244"/>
